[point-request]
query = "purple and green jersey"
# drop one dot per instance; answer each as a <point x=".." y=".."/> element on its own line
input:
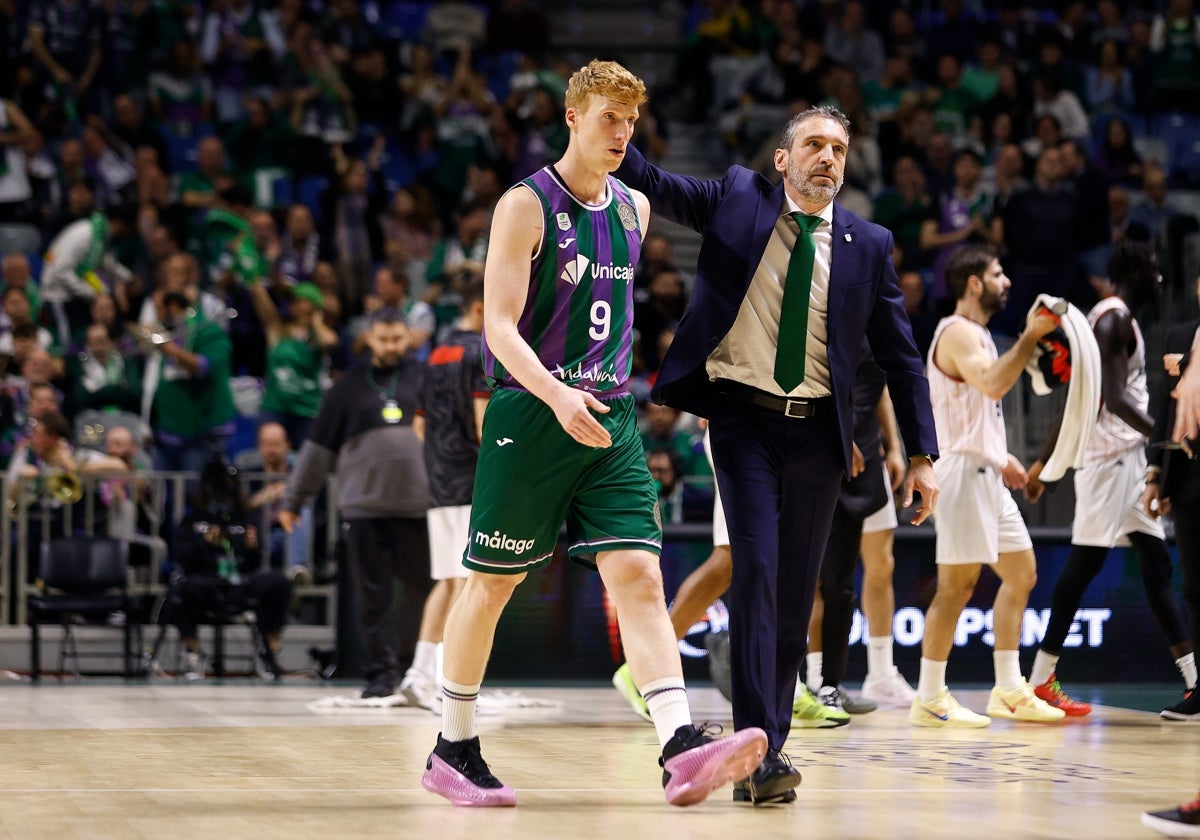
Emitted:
<point x="578" y="316"/>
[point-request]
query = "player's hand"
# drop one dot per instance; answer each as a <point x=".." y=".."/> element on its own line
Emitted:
<point x="921" y="479"/>
<point x="1043" y="323"/>
<point x="1014" y="474"/>
<point x="1187" y="404"/>
<point x="857" y="463"/>
<point x="287" y="520"/>
<point x="897" y="468"/>
<point x="1034" y="488"/>
<point x="1154" y="505"/>
<point x="574" y="408"/>
<point x="1171" y="363"/>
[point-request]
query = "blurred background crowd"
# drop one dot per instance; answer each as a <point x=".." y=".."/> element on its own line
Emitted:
<point x="280" y="169"/>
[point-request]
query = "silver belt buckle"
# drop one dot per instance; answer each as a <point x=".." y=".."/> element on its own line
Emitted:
<point x="798" y="408"/>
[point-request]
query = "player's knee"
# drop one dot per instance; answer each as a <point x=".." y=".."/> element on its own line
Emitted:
<point x="636" y="575"/>
<point x="490" y="592"/>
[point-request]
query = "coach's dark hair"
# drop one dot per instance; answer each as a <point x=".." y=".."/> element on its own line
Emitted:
<point x="788" y="135"/>
<point x="972" y="260"/>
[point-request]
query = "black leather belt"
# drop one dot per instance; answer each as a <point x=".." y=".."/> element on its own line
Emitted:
<point x="799" y="408"/>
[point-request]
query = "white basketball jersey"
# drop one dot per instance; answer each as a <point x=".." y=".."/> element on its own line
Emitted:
<point x="967" y="420"/>
<point x="1113" y="435"/>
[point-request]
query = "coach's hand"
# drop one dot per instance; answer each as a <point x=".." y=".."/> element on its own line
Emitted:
<point x="574" y="408"/>
<point x="921" y="479"/>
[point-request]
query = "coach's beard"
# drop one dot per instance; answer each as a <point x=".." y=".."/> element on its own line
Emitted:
<point x="803" y="183"/>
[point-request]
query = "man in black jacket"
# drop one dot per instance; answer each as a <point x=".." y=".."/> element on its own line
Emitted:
<point x="365" y="433"/>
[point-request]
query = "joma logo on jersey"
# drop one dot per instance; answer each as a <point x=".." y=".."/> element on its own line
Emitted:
<point x="577" y="270"/>
<point x="502" y="541"/>
<point x="579" y="373"/>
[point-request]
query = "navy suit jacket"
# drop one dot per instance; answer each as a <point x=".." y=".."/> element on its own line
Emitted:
<point x="736" y="216"/>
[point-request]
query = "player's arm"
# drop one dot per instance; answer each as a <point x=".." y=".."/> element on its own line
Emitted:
<point x="480" y="405"/>
<point x="516" y="235"/>
<point x="893" y="449"/>
<point x="1187" y="397"/>
<point x="1114" y="332"/>
<point x="959" y="354"/>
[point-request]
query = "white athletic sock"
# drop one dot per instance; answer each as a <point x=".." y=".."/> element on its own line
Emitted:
<point x="425" y="659"/>
<point x="458" y="710"/>
<point x="668" y="704"/>
<point x="814" y="662"/>
<point x="932" y="679"/>
<point x="1043" y="667"/>
<point x="1007" y="664"/>
<point x="1187" y="666"/>
<point x="879" y="656"/>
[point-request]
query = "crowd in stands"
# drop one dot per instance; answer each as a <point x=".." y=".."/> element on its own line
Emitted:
<point x="225" y="189"/>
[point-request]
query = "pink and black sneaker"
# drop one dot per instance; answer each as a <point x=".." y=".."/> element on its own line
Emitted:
<point x="695" y="762"/>
<point x="457" y="771"/>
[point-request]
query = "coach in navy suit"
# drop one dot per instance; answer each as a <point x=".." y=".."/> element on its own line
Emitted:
<point x="780" y="452"/>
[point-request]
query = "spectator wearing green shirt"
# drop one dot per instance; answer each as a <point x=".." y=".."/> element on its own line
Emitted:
<point x="186" y="396"/>
<point x="297" y="354"/>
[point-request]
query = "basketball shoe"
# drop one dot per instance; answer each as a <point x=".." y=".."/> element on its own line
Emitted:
<point x="1186" y="709"/>
<point x="945" y="712"/>
<point x="1183" y="821"/>
<point x="773" y="783"/>
<point x="457" y="771"/>
<point x="1051" y="692"/>
<point x="622" y="681"/>
<point x="888" y="689"/>
<point x="695" y="762"/>
<point x="810" y="713"/>
<point x="419" y="689"/>
<point x="1021" y="703"/>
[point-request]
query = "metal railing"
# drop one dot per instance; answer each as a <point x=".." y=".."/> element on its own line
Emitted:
<point x="114" y="505"/>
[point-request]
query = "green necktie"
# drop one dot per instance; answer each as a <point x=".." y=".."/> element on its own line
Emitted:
<point x="793" y="315"/>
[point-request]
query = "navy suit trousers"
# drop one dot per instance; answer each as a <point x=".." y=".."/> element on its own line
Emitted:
<point x="779" y="479"/>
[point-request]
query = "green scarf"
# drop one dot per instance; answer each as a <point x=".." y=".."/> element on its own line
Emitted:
<point x="96" y="248"/>
<point x="238" y="251"/>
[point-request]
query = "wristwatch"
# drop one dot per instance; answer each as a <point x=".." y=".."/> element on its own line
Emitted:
<point x="924" y="455"/>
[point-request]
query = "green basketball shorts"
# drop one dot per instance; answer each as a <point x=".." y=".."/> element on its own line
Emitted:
<point x="532" y="476"/>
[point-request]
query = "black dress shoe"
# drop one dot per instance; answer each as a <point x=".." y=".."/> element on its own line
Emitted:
<point x="773" y="782"/>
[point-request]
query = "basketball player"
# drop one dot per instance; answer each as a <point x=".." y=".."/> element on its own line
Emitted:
<point x="560" y="442"/>
<point x="1109" y="488"/>
<point x="454" y="395"/>
<point x="978" y="522"/>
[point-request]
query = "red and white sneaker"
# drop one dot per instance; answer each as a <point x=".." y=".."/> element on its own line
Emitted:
<point x="1051" y="692"/>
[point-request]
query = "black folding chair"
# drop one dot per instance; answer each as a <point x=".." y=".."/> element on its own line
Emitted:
<point x="81" y="577"/>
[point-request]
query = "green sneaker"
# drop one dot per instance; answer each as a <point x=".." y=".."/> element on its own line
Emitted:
<point x="810" y="713"/>
<point x="622" y="681"/>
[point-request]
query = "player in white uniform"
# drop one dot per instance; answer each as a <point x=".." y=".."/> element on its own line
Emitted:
<point x="1109" y="488"/>
<point x="978" y="522"/>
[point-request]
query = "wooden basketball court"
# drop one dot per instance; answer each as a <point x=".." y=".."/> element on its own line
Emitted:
<point x="175" y="761"/>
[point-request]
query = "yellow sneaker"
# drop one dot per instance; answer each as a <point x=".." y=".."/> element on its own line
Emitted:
<point x="945" y="712"/>
<point x="1021" y="703"/>
<point x="622" y="681"/>
<point x="810" y="713"/>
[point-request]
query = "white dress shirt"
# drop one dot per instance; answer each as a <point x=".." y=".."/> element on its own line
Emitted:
<point x="747" y="352"/>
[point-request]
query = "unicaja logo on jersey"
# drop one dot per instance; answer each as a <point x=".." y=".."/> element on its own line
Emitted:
<point x="575" y="270"/>
<point x="502" y="541"/>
